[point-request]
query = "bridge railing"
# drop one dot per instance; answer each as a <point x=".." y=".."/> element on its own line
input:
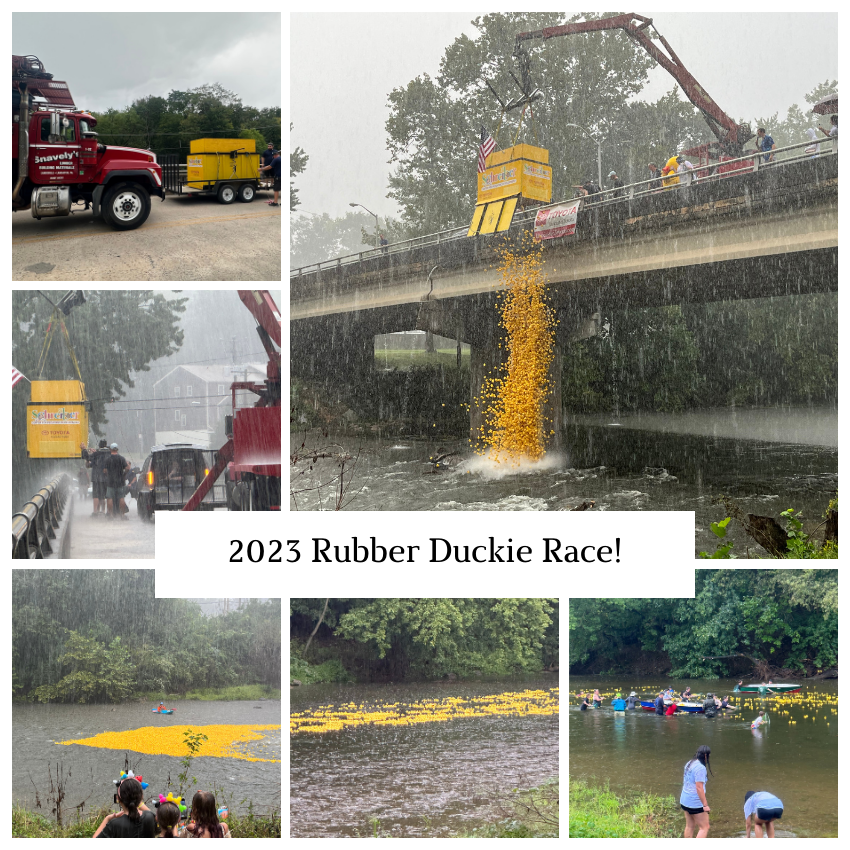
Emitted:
<point x="748" y="163"/>
<point x="34" y="526"/>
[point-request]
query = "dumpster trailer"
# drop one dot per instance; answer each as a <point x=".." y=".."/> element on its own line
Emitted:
<point x="226" y="168"/>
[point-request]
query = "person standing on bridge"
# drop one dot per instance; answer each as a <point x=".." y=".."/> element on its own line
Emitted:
<point x="95" y="460"/>
<point x="116" y="467"/>
<point x="617" y="184"/>
<point x="765" y="143"/>
<point x="833" y="130"/>
<point x="654" y="176"/>
<point x="670" y="178"/>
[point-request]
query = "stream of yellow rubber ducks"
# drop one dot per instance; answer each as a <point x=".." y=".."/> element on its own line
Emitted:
<point x="513" y="397"/>
<point x="806" y="706"/>
<point x="330" y="718"/>
<point x="169" y="741"/>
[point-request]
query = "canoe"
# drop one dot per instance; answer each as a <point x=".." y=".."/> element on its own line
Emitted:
<point x="690" y="707"/>
<point x="766" y="690"/>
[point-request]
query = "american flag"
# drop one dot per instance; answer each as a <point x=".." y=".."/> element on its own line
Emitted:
<point x="487" y="147"/>
<point x="16" y="376"/>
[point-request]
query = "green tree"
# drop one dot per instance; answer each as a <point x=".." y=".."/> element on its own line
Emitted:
<point x="433" y="128"/>
<point x="314" y="238"/>
<point x="96" y="672"/>
<point x="115" y="332"/>
<point x="297" y="164"/>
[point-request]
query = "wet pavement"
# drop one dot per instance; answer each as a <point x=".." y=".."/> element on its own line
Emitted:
<point x="99" y="537"/>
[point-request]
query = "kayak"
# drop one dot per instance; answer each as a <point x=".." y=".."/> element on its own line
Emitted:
<point x="162" y="710"/>
<point x="767" y="690"/>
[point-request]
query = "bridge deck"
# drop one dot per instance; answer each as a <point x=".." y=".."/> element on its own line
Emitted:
<point x="101" y="538"/>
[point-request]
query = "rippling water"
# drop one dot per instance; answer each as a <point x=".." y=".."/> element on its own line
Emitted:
<point x="431" y="778"/>
<point x="36" y="729"/>
<point x="641" y="751"/>
<point x="766" y="461"/>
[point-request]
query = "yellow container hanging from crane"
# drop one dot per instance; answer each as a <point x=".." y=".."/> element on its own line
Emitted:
<point x="221" y="159"/>
<point x="57" y="419"/>
<point x="58" y="412"/>
<point x="520" y="170"/>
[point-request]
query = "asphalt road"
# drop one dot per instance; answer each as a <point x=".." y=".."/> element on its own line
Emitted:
<point x="184" y="238"/>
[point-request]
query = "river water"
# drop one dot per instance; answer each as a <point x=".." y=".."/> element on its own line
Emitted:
<point x="766" y="460"/>
<point x="638" y="750"/>
<point x="89" y="771"/>
<point x="430" y="778"/>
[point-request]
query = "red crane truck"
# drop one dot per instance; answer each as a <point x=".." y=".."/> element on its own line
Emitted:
<point x="57" y="160"/>
<point x="251" y="455"/>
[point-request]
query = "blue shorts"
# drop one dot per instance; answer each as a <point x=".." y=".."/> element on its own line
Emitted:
<point x="768" y="814"/>
<point x="115" y="493"/>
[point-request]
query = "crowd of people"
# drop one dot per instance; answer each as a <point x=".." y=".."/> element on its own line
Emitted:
<point x="136" y="820"/>
<point x="111" y="475"/>
<point x="678" y="170"/>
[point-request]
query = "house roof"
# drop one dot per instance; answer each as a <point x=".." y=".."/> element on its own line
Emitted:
<point x="219" y="374"/>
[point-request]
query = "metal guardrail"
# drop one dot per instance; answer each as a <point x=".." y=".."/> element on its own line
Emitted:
<point x="750" y="162"/>
<point x="34" y="526"/>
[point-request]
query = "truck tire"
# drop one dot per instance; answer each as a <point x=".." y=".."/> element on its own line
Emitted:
<point x="126" y="206"/>
<point x="247" y="192"/>
<point x="226" y="194"/>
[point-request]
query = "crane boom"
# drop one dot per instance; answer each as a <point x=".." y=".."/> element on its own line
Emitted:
<point x="730" y="135"/>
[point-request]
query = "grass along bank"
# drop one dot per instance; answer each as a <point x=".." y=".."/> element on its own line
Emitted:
<point x="27" y="824"/>
<point x="596" y="812"/>
<point x="237" y="692"/>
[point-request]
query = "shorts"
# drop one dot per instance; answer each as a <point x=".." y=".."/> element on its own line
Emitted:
<point x="276" y="184"/>
<point x="691" y="811"/>
<point x="115" y="493"/>
<point x="768" y="814"/>
<point x="98" y="490"/>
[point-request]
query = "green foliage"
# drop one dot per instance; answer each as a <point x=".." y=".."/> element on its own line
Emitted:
<point x="785" y="618"/>
<point x="193" y="741"/>
<point x="792" y="128"/>
<point x="596" y="812"/>
<point x="308" y="674"/>
<point x="434" y="124"/>
<point x="314" y="238"/>
<point x="437" y="636"/>
<point x="297" y="164"/>
<point x="95" y="635"/>
<point x="114" y="333"/>
<point x="97" y="673"/>
<point x="718" y="529"/>
<point x="167" y="125"/>
<point x="649" y="360"/>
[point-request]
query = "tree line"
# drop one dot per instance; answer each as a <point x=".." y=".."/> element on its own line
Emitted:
<point x="764" y="620"/>
<point x="168" y="124"/>
<point x="426" y="638"/>
<point x="101" y="636"/>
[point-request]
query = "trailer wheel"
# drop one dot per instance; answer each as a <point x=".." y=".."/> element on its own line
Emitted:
<point x="246" y="193"/>
<point x="226" y="194"/>
<point x="126" y="206"/>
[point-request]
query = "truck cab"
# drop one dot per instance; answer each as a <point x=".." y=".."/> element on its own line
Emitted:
<point x="57" y="159"/>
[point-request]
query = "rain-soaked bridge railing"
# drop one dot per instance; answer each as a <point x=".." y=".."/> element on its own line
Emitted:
<point x="727" y="169"/>
<point x="35" y="526"/>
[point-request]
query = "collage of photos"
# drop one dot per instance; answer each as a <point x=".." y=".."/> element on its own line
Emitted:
<point x="142" y="717"/>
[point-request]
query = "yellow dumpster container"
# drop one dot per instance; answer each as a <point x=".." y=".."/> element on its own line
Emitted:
<point x="213" y="160"/>
<point x="520" y="170"/>
<point x="57" y="419"/>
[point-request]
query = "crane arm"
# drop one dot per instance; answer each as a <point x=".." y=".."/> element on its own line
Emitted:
<point x="730" y="134"/>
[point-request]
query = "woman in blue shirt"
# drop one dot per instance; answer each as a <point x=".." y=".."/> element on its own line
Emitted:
<point x="762" y="808"/>
<point x="692" y="799"/>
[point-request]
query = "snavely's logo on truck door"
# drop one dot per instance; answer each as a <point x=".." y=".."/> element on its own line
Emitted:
<point x="56" y="157"/>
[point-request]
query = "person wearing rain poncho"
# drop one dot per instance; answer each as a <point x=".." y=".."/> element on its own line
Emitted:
<point x="814" y="148"/>
<point x="669" y="177"/>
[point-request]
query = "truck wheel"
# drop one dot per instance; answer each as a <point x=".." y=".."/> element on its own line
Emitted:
<point x="226" y="194"/>
<point x="246" y="193"/>
<point x="127" y="206"/>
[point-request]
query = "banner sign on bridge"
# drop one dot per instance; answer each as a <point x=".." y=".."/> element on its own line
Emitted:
<point x="557" y="221"/>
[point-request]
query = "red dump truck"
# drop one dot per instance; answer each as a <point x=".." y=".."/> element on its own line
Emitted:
<point x="57" y="160"/>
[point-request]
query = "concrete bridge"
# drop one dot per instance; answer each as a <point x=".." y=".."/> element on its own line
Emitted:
<point x="772" y="231"/>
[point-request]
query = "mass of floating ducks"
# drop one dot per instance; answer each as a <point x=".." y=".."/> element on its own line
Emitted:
<point x="169" y="741"/>
<point x="817" y="706"/>
<point x="331" y="718"/>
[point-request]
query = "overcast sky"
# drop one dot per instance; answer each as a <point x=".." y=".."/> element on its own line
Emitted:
<point x="112" y="59"/>
<point x="343" y="66"/>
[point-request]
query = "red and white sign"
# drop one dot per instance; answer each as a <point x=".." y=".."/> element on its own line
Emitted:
<point x="557" y="221"/>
